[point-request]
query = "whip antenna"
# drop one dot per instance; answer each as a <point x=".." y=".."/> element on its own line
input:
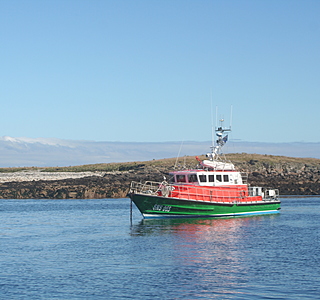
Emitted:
<point x="175" y="165"/>
<point x="212" y="126"/>
<point x="231" y="117"/>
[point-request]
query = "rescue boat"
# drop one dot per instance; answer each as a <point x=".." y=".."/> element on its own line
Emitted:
<point x="214" y="189"/>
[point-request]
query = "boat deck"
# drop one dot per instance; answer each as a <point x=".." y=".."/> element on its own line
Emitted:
<point x="222" y="194"/>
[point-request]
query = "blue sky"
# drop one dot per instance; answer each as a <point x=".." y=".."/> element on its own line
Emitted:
<point x="146" y="71"/>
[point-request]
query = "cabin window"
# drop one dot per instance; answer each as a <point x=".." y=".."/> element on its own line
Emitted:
<point x="226" y="178"/>
<point x="211" y="178"/>
<point x="219" y="178"/>
<point x="203" y="178"/>
<point x="192" y="178"/>
<point x="180" y="178"/>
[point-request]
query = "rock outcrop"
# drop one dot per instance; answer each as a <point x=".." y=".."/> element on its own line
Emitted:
<point x="111" y="185"/>
<point x="290" y="175"/>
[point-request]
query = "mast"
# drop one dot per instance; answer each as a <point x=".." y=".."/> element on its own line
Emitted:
<point x="222" y="138"/>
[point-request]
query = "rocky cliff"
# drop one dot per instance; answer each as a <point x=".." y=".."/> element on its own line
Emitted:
<point x="292" y="176"/>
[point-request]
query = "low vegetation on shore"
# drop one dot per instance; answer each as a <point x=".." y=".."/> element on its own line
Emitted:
<point x="292" y="176"/>
<point x="241" y="160"/>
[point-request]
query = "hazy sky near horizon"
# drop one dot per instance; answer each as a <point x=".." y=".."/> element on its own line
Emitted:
<point x="153" y="71"/>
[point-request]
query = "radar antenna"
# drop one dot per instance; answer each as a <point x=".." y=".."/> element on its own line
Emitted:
<point x="222" y="138"/>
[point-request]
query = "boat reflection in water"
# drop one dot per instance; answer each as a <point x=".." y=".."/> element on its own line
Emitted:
<point x="215" y="253"/>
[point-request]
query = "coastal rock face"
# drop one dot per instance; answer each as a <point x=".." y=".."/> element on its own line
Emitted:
<point x="111" y="185"/>
<point x="290" y="176"/>
<point x="288" y="184"/>
<point x="47" y="176"/>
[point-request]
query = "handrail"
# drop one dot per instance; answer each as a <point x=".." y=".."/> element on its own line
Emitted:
<point x="192" y="192"/>
<point x="148" y="187"/>
<point x="266" y="193"/>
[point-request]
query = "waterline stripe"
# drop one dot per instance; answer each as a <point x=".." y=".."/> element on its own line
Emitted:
<point x="162" y="216"/>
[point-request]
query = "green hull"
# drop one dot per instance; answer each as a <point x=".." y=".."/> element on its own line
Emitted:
<point x="164" y="207"/>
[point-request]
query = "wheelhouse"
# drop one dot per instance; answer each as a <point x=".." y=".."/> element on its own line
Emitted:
<point x="206" y="178"/>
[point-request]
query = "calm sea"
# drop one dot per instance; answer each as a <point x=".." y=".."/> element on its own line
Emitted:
<point x="88" y="249"/>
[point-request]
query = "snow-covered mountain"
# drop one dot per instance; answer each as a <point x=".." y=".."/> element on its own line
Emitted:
<point x="58" y="152"/>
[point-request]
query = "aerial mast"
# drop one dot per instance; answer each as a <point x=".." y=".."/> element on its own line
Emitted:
<point x="222" y="137"/>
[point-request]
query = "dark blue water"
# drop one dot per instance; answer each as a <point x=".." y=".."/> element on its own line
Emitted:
<point x="87" y="249"/>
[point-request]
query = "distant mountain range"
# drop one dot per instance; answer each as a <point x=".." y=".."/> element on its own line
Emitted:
<point x="40" y="152"/>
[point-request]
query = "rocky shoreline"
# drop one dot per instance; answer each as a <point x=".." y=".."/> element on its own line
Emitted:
<point x="45" y="176"/>
<point x="71" y="186"/>
<point x="297" y="177"/>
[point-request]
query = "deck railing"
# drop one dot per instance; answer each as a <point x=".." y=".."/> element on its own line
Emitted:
<point x="218" y="194"/>
<point x="147" y="187"/>
<point x="266" y="193"/>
